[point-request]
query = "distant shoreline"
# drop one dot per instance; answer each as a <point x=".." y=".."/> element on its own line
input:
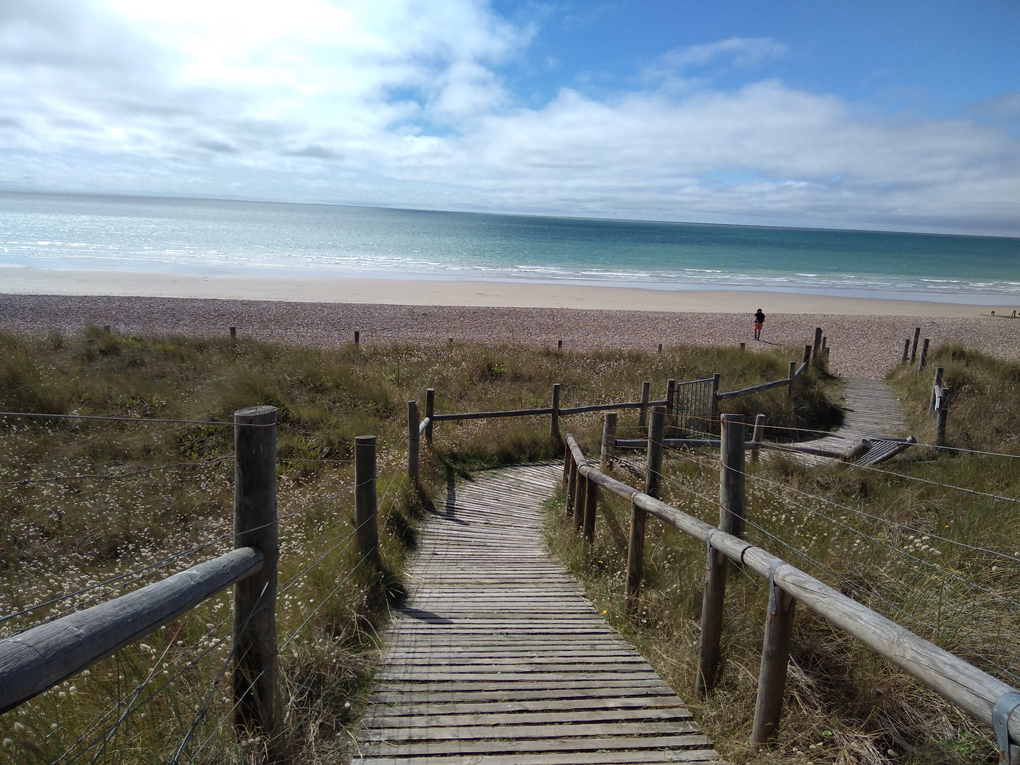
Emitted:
<point x="496" y="294"/>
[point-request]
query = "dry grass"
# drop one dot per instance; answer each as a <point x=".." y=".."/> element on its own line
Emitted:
<point x="83" y="501"/>
<point x="928" y="541"/>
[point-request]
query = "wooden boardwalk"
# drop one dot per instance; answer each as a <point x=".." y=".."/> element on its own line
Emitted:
<point x="873" y="412"/>
<point x="499" y="659"/>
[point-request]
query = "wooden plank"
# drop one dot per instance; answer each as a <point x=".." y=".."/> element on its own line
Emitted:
<point x="537" y="705"/>
<point x="660" y="757"/>
<point x="573" y="746"/>
<point x="468" y="732"/>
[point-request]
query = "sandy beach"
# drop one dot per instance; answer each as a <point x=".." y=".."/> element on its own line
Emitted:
<point x="866" y="335"/>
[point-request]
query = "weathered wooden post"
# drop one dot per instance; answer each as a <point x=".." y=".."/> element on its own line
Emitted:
<point x="571" y="484"/>
<point x="233" y="333"/>
<point x="825" y="343"/>
<point x="817" y="344"/>
<point x="943" y="414"/>
<point x="670" y="400"/>
<point x="713" y="401"/>
<point x="793" y="371"/>
<point x="365" y="523"/>
<point x="653" y="484"/>
<point x="555" y="426"/>
<point x="775" y="656"/>
<point x="412" y="443"/>
<point x="653" y="469"/>
<point x="357" y="337"/>
<point x="913" y="348"/>
<point x="430" y="411"/>
<point x="591" y="495"/>
<point x="608" y="441"/>
<point x="255" y="525"/>
<point x="756" y="437"/>
<point x="559" y="345"/>
<point x="731" y="506"/>
<point x="660" y="348"/>
<point x="106" y="328"/>
<point x="924" y="355"/>
<point x="646" y="388"/>
<point x="580" y="489"/>
<point x="906" y="351"/>
<point x="939" y="371"/>
<point x="807" y="354"/>
<point x="743" y="346"/>
<point x="731" y="475"/>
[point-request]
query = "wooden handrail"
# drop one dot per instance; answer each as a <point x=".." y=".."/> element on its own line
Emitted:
<point x="963" y="684"/>
<point x="39" y="658"/>
<point x="753" y="389"/>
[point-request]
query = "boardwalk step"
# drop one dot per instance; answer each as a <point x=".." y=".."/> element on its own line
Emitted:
<point x="498" y="658"/>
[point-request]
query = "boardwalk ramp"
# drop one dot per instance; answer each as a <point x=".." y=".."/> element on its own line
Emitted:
<point x="873" y="429"/>
<point x="498" y="658"/>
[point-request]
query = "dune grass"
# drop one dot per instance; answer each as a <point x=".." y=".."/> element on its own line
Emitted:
<point x="928" y="541"/>
<point x="83" y="501"/>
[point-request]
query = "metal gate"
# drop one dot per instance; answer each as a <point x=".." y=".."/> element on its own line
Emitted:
<point x="693" y="407"/>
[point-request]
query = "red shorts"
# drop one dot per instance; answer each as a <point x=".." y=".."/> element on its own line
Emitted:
<point x="758" y="325"/>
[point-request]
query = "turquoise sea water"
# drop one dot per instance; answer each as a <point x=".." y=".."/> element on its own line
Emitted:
<point x="221" y="237"/>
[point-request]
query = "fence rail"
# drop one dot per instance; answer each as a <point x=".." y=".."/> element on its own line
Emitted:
<point x="37" y="659"/>
<point x="976" y="692"/>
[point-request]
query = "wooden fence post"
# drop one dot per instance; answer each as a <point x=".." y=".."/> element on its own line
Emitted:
<point x="653" y="483"/>
<point x="430" y="411"/>
<point x="756" y="437"/>
<point x="233" y="333"/>
<point x="670" y="397"/>
<point x="906" y="351"/>
<point x="807" y="354"/>
<point x="412" y="442"/>
<point x="775" y="656"/>
<point x="913" y="348"/>
<point x="580" y="487"/>
<point x="731" y="475"/>
<point x="571" y="484"/>
<point x="653" y="469"/>
<point x="365" y="523"/>
<point x="555" y="427"/>
<point x="357" y="337"/>
<point x="646" y="388"/>
<point x="635" y="557"/>
<point x="591" y="495"/>
<point x="713" y="402"/>
<point x="939" y="371"/>
<point x="608" y="441"/>
<point x="817" y="343"/>
<point x="793" y="370"/>
<point x="255" y="525"/>
<point x="943" y="414"/>
<point x="731" y="485"/>
<point x="924" y="355"/>
<point x="559" y="345"/>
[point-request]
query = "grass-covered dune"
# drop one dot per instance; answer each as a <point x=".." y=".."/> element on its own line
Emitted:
<point x="85" y="501"/>
<point x="928" y="541"/>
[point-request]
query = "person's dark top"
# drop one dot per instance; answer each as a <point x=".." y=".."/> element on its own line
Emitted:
<point x="759" y="317"/>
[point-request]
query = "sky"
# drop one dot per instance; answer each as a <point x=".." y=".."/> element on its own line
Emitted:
<point x="877" y="115"/>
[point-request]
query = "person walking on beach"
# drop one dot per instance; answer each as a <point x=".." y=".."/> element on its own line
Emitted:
<point x="759" y="322"/>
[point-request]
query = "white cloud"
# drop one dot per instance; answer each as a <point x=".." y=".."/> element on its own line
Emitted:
<point x="402" y="102"/>
<point x="736" y="51"/>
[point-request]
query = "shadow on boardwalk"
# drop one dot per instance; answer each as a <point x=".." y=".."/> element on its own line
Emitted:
<point x="498" y="658"/>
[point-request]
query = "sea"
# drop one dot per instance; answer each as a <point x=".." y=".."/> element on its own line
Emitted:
<point x="221" y="237"/>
